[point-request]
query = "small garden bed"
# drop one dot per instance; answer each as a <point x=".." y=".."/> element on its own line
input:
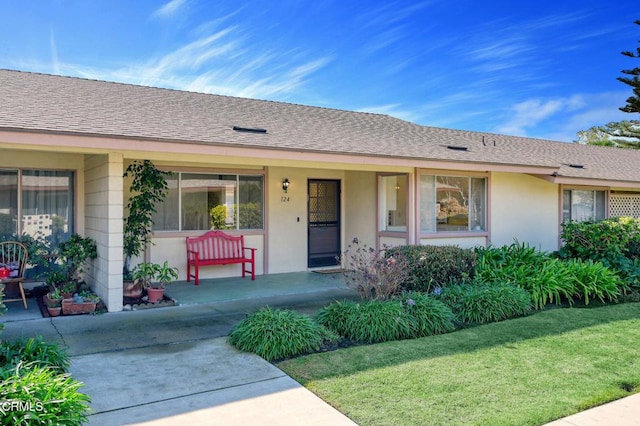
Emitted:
<point x="40" y="292"/>
<point x="136" y="304"/>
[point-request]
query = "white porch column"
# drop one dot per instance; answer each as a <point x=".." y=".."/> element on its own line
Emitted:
<point x="103" y="222"/>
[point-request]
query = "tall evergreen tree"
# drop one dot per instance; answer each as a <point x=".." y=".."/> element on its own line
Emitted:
<point x="621" y="134"/>
<point x="633" y="102"/>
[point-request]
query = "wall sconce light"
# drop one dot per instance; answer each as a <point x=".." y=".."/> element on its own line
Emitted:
<point x="285" y="185"/>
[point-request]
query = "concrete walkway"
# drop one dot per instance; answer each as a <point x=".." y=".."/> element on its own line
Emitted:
<point x="173" y="366"/>
<point x="623" y="412"/>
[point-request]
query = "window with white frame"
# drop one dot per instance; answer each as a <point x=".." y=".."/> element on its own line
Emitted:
<point x="203" y="201"/>
<point x="38" y="203"/>
<point x="393" y="203"/>
<point x="583" y="205"/>
<point x="452" y="203"/>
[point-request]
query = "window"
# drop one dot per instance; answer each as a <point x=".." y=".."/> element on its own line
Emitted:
<point x="452" y="203"/>
<point x="582" y="205"/>
<point x="393" y="203"/>
<point x="38" y="203"/>
<point x="203" y="201"/>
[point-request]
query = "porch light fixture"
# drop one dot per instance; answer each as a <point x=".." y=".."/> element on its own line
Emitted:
<point x="285" y="185"/>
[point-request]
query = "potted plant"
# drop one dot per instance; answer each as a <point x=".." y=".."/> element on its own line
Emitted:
<point x="55" y="279"/>
<point x="74" y="255"/>
<point x="144" y="273"/>
<point x="81" y="303"/>
<point x="164" y="275"/>
<point x="53" y="302"/>
<point x="148" y="188"/>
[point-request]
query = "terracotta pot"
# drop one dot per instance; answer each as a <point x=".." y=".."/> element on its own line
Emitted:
<point x="131" y="289"/>
<point x="69" y="307"/>
<point x="155" y="294"/>
<point x="49" y="302"/>
<point x="54" y="312"/>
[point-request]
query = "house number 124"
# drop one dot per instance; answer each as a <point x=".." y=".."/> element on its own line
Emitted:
<point x="284" y="199"/>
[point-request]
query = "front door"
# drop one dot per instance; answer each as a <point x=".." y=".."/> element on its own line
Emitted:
<point x="324" y="222"/>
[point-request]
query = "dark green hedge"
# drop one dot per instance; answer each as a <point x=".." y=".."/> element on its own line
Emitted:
<point x="436" y="266"/>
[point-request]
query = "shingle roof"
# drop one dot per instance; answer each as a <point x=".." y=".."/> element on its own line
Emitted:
<point x="47" y="103"/>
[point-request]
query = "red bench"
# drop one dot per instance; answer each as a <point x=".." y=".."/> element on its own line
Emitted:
<point x="218" y="248"/>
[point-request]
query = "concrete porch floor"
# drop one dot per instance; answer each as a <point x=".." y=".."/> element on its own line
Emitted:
<point x="303" y="291"/>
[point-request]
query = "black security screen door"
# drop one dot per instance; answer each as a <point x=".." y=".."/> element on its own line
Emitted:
<point x="324" y="222"/>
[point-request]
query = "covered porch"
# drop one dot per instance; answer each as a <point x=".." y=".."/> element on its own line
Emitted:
<point x="305" y="292"/>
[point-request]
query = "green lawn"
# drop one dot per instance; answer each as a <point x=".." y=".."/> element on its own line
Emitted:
<point x="526" y="371"/>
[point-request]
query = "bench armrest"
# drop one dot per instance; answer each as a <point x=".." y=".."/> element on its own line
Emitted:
<point x="253" y="251"/>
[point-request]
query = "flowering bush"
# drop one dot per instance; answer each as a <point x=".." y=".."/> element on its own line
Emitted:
<point x="374" y="274"/>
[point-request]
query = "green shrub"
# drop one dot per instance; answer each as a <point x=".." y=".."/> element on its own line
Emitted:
<point x="593" y="280"/>
<point x="547" y="279"/>
<point x="486" y="302"/>
<point x="34" y="351"/>
<point x="615" y="242"/>
<point x="336" y="315"/>
<point x="435" y="266"/>
<point x="603" y="240"/>
<point x="550" y="282"/>
<point x="543" y="277"/>
<point x="425" y="315"/>
<point x="278" y="333"/>
<point x="407" y="316"/>
<point x="513" y="263"/>
<point x="41" y="396"/>
<point x="377" y="321"/>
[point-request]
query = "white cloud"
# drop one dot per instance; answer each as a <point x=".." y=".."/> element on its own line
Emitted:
<point x="169" y="9"/>
<point x="223" y="62"/>
<point x="561" y="118"/>
<point x="394" y="110"/>
<point x="55" y="63"/>
<point x="528" y="114"/>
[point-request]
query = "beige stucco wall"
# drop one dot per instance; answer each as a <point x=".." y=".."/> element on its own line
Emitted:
<point x="524" y="208"/>
<point x="287" y="216"/>
<point x="103" y="217"/>
<point x="359" y="189"/>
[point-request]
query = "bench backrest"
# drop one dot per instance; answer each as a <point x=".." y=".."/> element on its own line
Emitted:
<point x="216" y="245"/>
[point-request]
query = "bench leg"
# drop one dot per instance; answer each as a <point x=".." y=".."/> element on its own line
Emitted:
<point x="253" y="269"/>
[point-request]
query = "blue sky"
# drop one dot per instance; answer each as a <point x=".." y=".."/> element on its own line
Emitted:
<point x="543" y="69"/>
